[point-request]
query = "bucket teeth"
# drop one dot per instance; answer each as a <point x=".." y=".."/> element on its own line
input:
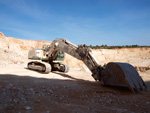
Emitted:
<point x="123" y="74"/>
<point x="135" y="82"/>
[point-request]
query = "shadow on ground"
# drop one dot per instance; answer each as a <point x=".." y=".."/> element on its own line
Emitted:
<point x="30" y="94"/>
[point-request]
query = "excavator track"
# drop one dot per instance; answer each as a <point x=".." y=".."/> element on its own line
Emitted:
<point x="59" y="66"/>
<point x="64" y="68"/>
<point x="39" y="66"/>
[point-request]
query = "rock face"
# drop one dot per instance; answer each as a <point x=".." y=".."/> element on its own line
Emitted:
<point x="13" y="50"/>
<point x="1" y="35"/>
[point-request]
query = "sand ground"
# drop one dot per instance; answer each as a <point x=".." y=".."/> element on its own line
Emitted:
<point x="26" y="91"/>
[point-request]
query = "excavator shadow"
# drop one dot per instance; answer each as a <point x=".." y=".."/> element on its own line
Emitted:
<point x="67" y="76"/>
<point x="23" y="93"/>
<point x="123" y="89"/>
<point x="117" y="88"/>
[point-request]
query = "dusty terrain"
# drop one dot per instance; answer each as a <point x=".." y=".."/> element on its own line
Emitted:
<point x="26" y="91"/>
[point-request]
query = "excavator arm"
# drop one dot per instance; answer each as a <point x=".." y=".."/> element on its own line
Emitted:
<point x="115" y="74"/>
<point x="80" y="52"/>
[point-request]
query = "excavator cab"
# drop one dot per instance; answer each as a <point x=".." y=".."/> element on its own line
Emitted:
<point x="36" y="54"/>
<point x="60" y="56"/>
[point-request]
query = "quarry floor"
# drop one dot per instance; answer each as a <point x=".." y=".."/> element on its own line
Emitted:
<point x="26" y="91"/>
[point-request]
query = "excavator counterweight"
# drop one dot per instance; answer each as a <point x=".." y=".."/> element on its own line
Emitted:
<point x="114" y="74"/>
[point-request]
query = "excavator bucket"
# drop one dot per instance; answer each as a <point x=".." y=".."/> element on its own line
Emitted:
<point x="123" y="74"/>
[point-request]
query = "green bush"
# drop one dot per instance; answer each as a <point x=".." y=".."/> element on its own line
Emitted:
<point x="114" y="47"/>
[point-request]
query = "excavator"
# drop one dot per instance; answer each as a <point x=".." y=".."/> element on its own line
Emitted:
<point x="46" y="60"/>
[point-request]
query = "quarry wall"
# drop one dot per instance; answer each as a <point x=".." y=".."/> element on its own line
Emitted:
<point x="13" y="50"/>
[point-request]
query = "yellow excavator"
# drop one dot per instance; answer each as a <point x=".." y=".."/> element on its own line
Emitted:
<point x="114" y="74"/>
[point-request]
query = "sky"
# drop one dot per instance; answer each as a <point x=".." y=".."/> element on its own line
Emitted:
<point x="90" y="22"/>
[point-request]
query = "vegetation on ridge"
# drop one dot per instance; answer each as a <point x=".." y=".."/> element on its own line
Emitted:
<point x="115" y="47"/>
